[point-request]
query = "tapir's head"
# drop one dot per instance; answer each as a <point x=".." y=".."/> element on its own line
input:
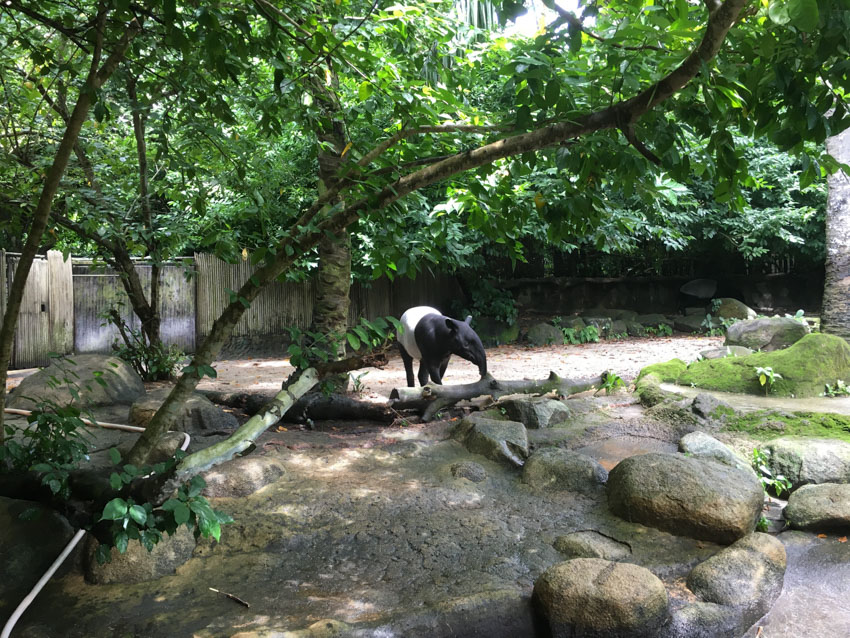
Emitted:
<point x="466" y="344"/>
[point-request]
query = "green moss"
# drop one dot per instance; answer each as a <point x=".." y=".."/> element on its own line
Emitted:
<point x="649" y="392"/>
<point x="805" y="367"/>
<point x="667" y="372"/>
<point x="767" y="424"/>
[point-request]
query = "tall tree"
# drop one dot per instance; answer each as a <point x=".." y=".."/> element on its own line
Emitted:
<point x="835" y="315"/>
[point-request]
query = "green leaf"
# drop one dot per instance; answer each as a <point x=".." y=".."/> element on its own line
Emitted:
<point x="115" y="481"/>
<point x="115" y="510"/>
<point x="353" y="341"/>
<point x="138" y="514"/>
<point x="121" y="540"/>
<point x="364" y="91"/>
<point x="181" y="513"/>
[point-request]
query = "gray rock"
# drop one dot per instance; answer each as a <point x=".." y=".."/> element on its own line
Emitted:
<point x="502" y="441"/>
<point x="198" y="416"/>
<point x="560" y="469"/>
<point x="699" y="288"/>
<point x="544" y="334"/>
<point x="242" y="476"/>
<point x="592" y="597"/>
<point x="810" y="460"/>
<point x="707" y="406"/>
<point x="494" y="332"/>
<point x="120" y="383"/>
<point x="704" y="620"/>
<point x="729" y="308"/>
<point x="701" y="445"/>
<point x="653" y="320"/>
<point x="163" y="449"/>
<point x="591" y="545"/>
<point x="535" y="412"/>
<point x="820" y="508"/>
<point x="692" y="323"/>
<point x="696" y="310"/>
<point x="635" y="329"/>
<point x="621" y="314"/>
<point x="725" y="351"/>
<point x="137" y="565"/>
<point x="768" y="333"/>
<point x="619" y="327"/>
<point x="574" y="322"/>
<point x="469" y="470"/>
<point x="28" y="547"/>
<point x="747" y="576"/>
<point x="687" y="496"/>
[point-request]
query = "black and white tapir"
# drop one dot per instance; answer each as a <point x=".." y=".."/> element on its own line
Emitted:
<point x="433" y="339"/>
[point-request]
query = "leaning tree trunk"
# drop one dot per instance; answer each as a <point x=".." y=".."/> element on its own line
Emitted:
<point x="835" y="316"/>
<point x="97" y="76"/>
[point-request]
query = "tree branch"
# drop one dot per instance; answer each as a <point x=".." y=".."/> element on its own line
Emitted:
<point x="629" y="132"/>
<point x="570" y="18"/>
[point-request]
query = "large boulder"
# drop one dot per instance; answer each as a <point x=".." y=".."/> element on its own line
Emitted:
<point x="653" y="320"/>
<point x="747" y="576"/>
<point x="805" y="368"/>
<point x="242" y="476"/>
<point x="28" y="546"/>
<point x="199" y="415"/>
<point x="137" y="565"/>
<point x="701" y="445"/>
<point x="820" y="508"/>
<point x="545" y="334"/>
<point x="534" y="412"/>
<point x="495" y="332"/>
<point x="596" y="598"/>
<point x="729" y="308"/>
<point x="725" y="351"/>
<point x="560" y="469"/>
<point x="809" y="460"/>
<point x="687" y="496"/>
<point x="502" y="441"/>
<point x="699" y="288"/>
<point x="767" y="333"/>
<point x="96" y="379"/>
<point x="693" y="323"/>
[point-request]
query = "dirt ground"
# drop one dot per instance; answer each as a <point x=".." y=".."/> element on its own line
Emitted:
<point x="625" y="358"/>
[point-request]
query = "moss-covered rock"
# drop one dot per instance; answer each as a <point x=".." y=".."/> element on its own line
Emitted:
<point x="649" y="391"/>
<point x="667" y="372"/>
<point x="805" y="368"/>
<point x="769" y="424"/>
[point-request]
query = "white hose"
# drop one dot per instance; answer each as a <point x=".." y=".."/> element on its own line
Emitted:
<point x="26" y="602"/>
<point x="20" y="609"/>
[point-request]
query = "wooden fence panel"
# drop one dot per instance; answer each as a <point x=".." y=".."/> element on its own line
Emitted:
<point x="60" y="291"/>
<point x="32" y="335"/>
<point x="97" y="289"/>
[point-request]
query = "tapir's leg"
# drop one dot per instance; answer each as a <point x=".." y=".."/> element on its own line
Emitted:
<point x="423" y="373"/>
<point x="443" y="366"/>
<point x="434" y="370"/>
<point x="408" y="366"/>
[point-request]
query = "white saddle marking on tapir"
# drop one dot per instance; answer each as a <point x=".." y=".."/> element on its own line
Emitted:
<point x="409" y="320"/>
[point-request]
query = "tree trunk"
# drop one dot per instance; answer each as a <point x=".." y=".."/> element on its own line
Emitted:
<point x="97" y="76"/>
<point x="835" y="315"/>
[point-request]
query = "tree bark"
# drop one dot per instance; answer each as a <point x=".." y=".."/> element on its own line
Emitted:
<point x="430" y="399"/>
<point x="835" y="314"/>
<point x="97" y="76"/>
<point x="301" y="237"/>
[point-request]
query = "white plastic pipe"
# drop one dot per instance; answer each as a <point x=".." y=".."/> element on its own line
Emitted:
<point x="20" y="609"/>
<point x="26" y="602"/>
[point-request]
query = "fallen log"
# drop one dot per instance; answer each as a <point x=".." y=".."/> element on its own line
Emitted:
<point x="314" y="406"/>
<point x="432" y="398"/>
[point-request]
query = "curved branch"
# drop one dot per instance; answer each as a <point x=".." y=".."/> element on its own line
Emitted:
<point x="629" y="132"/>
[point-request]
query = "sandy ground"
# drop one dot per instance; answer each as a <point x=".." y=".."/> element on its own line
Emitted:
<point x="625" y="358"/>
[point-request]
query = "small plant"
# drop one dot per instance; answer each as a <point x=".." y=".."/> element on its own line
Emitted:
<point x="308" y="347"/>
<point x="661" y="330"/>
<point x="619" y="336"/>
<point x="767" y="378"/>
<point x="488" y="301"/>
<point x="153" y="362"/>
<point x="840" y="389"/>
<point x="762" y="525"/>
<point x="770" y="483"/>
<point x="588" y="334"/>
<point x="357" y="384"/>
<point x="129" y="520"/>
<point x="611" y="382"/>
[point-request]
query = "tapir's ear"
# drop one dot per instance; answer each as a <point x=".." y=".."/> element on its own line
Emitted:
<point x="450" y="324"/>
<point x="468" y="320"/>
